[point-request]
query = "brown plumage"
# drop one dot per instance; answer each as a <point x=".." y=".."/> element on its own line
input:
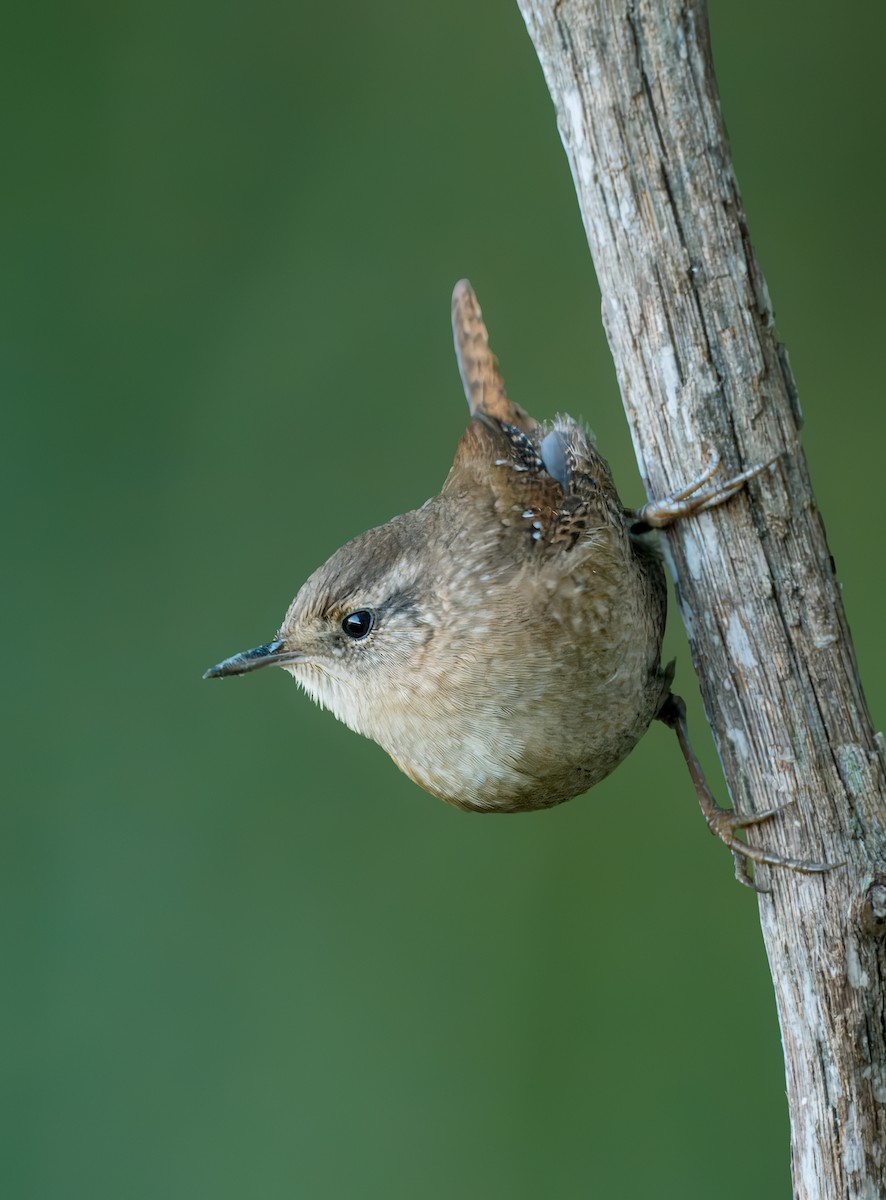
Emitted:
<point x="502" y="642"/>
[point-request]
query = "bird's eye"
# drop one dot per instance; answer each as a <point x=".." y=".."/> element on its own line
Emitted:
<point x="358" y="625"/>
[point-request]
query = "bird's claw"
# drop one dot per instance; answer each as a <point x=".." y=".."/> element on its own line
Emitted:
<point x="695" y="497"/>
<point x="725" y="823"/>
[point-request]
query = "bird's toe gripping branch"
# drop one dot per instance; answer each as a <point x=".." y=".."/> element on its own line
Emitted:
<point x="725" y="823"/>
<point x="695" y="497"/>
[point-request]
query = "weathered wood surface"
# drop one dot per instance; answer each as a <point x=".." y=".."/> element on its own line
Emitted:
<point x="689" y="322"/>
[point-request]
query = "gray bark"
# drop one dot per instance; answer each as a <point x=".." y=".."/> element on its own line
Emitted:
<point x="690" y="326"/>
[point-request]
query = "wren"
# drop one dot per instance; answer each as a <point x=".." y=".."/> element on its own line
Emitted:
<point x="503" y="642"/>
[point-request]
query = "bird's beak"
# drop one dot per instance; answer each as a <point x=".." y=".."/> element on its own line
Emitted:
<point x="273" y="654"/>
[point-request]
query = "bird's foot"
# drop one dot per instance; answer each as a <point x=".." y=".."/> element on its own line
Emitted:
<point x="695" y="497"/>
<point x="725" y="823"/>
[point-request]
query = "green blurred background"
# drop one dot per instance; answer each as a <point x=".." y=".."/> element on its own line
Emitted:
<point x="243" y="956"/>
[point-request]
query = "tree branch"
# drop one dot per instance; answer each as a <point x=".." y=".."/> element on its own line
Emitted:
<point x="690" y="326"/>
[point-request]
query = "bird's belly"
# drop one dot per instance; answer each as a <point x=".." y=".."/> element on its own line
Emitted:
<point x="544" y="717"/>
<point x="514" y="762"/>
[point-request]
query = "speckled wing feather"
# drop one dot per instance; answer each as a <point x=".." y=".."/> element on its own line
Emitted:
<point x="546" y="479"/>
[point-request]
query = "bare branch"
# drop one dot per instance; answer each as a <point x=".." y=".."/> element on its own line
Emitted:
<point x="689" y="322"/>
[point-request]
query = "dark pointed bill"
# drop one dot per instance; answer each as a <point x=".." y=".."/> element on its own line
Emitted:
<point x="272" y="654"/>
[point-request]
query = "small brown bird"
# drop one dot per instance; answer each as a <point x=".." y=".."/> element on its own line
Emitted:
<point x="503" y="641"/>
